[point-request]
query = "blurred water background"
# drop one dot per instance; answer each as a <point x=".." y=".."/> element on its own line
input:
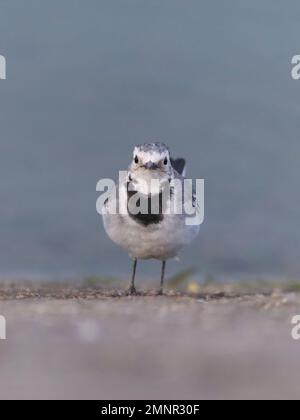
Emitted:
<point x="88" y="80"/>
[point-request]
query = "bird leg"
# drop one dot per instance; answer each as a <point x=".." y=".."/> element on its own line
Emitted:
<point x="163" y="268"/>
<point x="132" y="289"/>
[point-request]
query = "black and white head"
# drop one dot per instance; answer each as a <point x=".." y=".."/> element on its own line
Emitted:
<point x="151" y="161"/>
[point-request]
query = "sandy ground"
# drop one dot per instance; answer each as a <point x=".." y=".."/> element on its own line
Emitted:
<point x="84" y="343"/>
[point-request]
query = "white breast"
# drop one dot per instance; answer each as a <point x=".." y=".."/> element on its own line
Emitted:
<point x="160" y="241"/>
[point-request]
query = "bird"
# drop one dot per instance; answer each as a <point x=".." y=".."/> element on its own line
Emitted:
<point x="159" y="235"/>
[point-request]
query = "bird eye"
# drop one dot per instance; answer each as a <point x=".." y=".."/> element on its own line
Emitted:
<point x="136" y="159"/>
<point x="166" y="161"/>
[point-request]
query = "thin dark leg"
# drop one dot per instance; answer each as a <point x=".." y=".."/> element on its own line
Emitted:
<point x="132" y="290"/>
<point x="163" y="269"/>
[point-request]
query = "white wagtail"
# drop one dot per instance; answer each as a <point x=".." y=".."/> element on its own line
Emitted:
<point x="159" y="234"/>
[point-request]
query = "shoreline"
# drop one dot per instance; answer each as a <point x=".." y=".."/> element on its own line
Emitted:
<point x="94" y="288"/>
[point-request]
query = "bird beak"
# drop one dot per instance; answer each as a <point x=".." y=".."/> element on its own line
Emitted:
<point x="151" y="165"/>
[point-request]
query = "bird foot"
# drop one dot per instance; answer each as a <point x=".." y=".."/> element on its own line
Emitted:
<point x="131" y="291"/>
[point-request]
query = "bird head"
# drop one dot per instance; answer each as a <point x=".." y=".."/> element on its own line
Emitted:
<point x="151" y="161"/>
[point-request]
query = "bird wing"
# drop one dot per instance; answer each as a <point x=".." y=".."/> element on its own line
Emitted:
<point x="179" y="165"/>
